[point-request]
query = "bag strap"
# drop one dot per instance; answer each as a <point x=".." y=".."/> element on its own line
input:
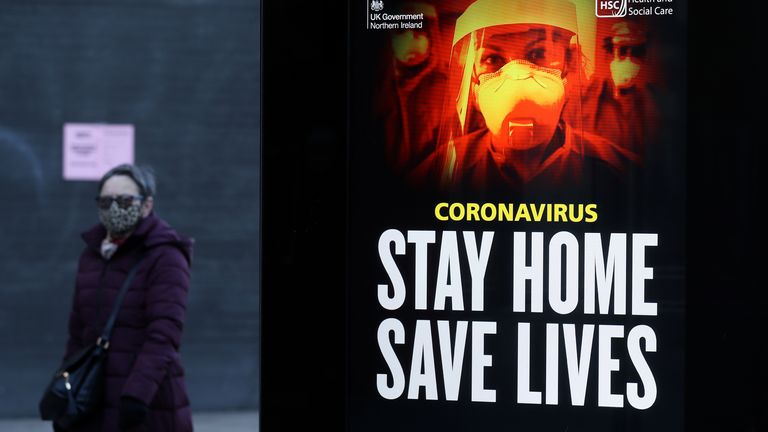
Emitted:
<point x="106" y="334"/>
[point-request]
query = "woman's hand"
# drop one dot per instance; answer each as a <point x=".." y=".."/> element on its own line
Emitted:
<point x="133" y="412"/>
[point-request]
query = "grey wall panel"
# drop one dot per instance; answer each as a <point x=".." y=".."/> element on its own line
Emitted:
<point x="186" y="74"/>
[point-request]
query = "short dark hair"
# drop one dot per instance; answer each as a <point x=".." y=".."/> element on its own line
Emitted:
<point x="143" y="176"/>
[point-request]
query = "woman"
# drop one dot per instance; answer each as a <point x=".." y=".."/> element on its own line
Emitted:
<point x="145" y="388"/>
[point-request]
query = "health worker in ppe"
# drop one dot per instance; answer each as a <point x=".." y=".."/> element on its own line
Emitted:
<point x="414" y="92"/>
<point x="515" y="65"/>
<point x="620" y="104"/>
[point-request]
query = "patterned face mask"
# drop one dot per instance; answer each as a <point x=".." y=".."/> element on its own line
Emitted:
<point x="119" y="221"/>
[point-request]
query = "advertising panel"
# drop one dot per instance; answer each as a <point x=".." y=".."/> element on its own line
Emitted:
<point x="516" y="244"/>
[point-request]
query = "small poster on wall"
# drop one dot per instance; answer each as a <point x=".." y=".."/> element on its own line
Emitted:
<point x="92" y="149"/>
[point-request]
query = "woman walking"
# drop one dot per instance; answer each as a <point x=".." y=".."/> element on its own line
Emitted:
<point x="144" y="379"/>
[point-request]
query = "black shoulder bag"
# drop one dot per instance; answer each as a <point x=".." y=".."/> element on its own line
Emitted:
<point x="77" y="388"/>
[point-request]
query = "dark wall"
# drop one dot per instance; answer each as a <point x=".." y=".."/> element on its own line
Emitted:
<point x="186" y="74"/>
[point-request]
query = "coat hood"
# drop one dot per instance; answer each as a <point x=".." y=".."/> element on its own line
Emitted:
<point x="150" y="232"/>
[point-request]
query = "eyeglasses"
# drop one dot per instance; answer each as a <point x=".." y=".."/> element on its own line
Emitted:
<point x="123" y="201"/>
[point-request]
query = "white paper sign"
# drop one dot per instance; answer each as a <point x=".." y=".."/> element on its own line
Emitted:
<point x="90" y="150"/>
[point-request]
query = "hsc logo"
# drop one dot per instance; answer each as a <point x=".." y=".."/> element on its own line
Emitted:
<point x="610" y="8"/>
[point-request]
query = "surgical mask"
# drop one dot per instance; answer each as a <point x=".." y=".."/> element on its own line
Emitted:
<point x="521" y="104"/>
<point x="624" y="72"/>
<point x="119" y="221"/>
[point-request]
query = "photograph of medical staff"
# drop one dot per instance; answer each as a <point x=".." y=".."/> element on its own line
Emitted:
<point x="412" y="98"/>
<point x="513" y="95"/>
<point x="620" y="102"/>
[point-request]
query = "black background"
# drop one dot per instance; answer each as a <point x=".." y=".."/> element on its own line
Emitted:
<point x="726" y="367"/>
<point x="304" y="210"/>
<point x="303" y="215"/>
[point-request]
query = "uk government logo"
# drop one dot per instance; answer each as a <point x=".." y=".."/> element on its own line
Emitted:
<point x="610" y="8"/>
<point x="377" y="5"/>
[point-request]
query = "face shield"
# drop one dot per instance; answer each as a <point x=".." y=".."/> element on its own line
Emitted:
<point x="513" y="69"/>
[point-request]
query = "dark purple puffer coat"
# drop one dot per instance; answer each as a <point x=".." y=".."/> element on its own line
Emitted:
<point x="143" y="358"/>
